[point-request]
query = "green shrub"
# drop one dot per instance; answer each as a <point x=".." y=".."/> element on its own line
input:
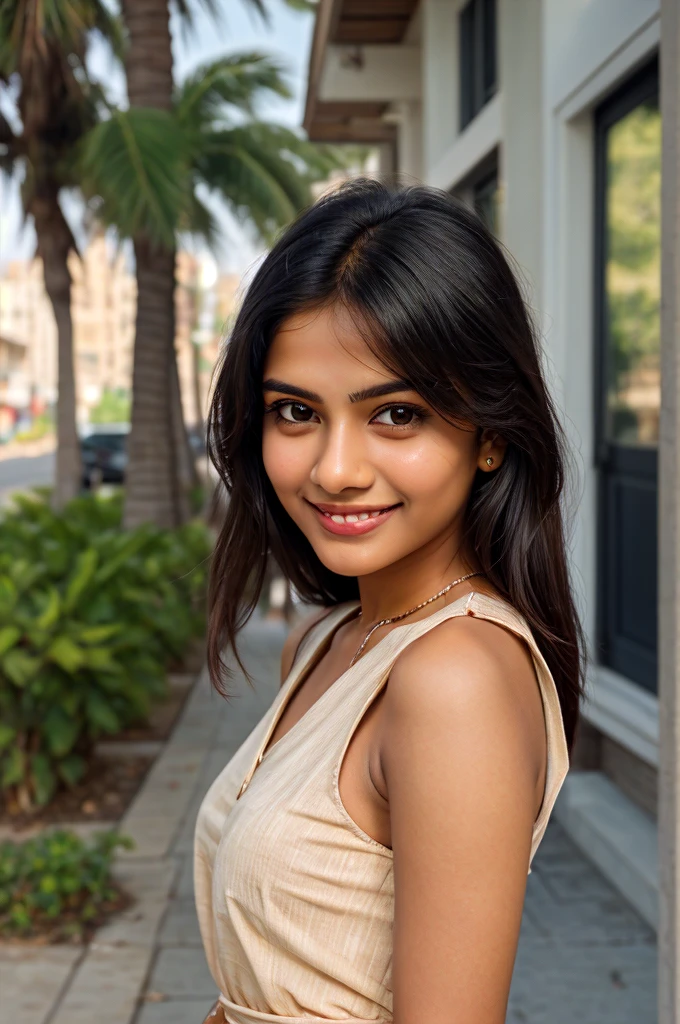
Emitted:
<point x="57" y="885"/>
<point x="90" y="617"/>
<point x="41" y="426"/>
<point x="113" y="407"/>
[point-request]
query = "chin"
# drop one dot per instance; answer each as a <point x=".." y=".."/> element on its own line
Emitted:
<point x="346" y="561"/>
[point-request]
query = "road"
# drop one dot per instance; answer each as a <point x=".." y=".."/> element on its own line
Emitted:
<point x="22" y="473"/>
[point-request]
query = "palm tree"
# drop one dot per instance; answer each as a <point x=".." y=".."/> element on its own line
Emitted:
<point x="42" y="57"/>
<point x="153" y="491"/>
<point x="148" y="168"/>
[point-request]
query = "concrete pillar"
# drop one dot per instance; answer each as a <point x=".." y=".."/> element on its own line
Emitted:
<point x="669" y="526"/>
<point x="410" y="139"/>
<point x="387" y="163"/>
<point x="520" y="48"/>
<point x="440" y="69"/>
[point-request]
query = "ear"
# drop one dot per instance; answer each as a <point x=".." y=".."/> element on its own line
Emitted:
<point x="491" y="451"/>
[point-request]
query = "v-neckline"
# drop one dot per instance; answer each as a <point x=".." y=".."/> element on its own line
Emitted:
<point x="307" y="666"/>
<point x="288" y="688"/>
<point x="304" y="670"/>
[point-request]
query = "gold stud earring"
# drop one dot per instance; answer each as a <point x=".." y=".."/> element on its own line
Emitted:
<point x="489" y="461"/>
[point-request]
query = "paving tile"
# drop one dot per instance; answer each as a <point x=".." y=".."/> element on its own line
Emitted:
<point x="185" y="1011"/>
<point x="182" y="973"/>
<point x="32" y="979"/>
<point x="180" y="927"/>
<point x="150" y="886"/>
<point x="606" y="985"/>
<point x="106" y="986"/>
<point x="607" y="920"/>
<point x="184" y="889"/>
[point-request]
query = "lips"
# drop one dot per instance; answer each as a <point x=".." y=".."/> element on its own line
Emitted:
<point x="352" y="520"/>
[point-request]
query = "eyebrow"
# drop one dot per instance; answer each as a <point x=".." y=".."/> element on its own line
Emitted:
<point x="390" y="387"/>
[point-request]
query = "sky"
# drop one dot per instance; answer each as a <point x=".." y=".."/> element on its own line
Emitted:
<point x="286" y="37"/>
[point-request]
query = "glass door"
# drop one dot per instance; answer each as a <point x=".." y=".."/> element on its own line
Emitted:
<point x="627" y="393"/>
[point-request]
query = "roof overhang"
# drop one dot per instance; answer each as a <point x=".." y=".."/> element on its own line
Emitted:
<point x="358" y="66"/>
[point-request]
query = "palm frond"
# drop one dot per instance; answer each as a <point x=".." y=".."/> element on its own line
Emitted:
<point x="68" y="21"/>
<point x="237" y="80"/>
<point x="302" y="5"/>
<point x="263" y="172"/>
<point x="11" y="148"/>
<point x="199" y="220"/>
<point x="28" y="27"/>
<point x="248" y="188"/>
<point x="8" y="139"/>
<point x="184" y="9"/>
<point x="134" y="166"/>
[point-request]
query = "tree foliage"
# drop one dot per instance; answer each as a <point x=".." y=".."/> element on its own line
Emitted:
<point x="146" y="169"/>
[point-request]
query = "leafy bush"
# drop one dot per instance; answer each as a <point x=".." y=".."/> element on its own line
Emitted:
<point x="41" y="426"/>
<point x="90" y="617"/>
<point x="57" y="885"/>
<point x="113" y="407"/>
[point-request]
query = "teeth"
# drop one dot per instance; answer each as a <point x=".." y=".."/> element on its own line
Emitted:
<point x="361" y="517"/>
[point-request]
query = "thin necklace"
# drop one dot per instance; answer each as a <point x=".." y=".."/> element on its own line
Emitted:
<point x="395" y="618"/>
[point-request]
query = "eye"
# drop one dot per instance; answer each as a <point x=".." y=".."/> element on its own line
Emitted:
<point x="292" y="412"/>
<point x="399" y="416"/>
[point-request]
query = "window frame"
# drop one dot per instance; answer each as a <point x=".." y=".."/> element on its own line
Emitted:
<point x="478" y="57"/>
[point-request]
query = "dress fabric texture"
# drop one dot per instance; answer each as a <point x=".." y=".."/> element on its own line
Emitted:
<point x="295" y="902"/>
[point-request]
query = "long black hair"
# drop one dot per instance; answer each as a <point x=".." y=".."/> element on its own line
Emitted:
<point x="440" y="307"/>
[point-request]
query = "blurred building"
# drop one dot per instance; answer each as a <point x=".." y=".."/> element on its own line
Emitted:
<point x="545" y="115"/>
<point x="26" y="319"/>
<point x="103" y="304"/>
<point x="219" y="302"/>
<point x="103" y="308"/>
<point x="15" y="393"/>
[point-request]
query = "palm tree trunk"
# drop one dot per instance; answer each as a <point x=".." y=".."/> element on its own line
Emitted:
<point x="196" y="383"/>
<point x="55" y="242"/>
<point x="151" y="489"/>
<point x="148" y="63"/>
<point x="187" y="475"/>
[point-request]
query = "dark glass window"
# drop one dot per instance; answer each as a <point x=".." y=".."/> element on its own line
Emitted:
<point x="628" y="380"/>
<point x="478" y="73"/>
<point x="486" y="197"/>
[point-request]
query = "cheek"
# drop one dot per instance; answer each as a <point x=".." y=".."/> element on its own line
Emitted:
<point x="284" y="463"/>
<point x="430" y="472"/>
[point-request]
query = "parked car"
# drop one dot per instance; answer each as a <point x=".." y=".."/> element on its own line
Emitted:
<point x="196" y="437"/>
<point x="103" y="450"/>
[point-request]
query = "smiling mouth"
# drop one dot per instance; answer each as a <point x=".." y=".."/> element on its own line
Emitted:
<point x="357" y="515"/>
<point x="355" y="521"/>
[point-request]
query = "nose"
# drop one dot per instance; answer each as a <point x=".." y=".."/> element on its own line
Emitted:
<point x="342" y="462"/>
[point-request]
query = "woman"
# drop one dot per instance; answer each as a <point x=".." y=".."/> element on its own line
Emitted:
<point x="382" y="424"/>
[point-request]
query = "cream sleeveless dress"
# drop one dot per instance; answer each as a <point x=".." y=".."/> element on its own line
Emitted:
<point x="295" y="901"/>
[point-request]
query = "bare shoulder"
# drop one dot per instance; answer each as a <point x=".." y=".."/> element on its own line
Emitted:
<point x="294" y="639"/>
<point x="468" y="673"/>
<point x="460" y="755"/>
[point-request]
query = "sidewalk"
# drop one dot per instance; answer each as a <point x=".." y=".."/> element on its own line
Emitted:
<point x="27" y="449"/>
<point x="584" y="954"/>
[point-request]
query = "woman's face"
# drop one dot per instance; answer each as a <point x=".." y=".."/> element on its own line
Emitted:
<point x="369" y="472"/>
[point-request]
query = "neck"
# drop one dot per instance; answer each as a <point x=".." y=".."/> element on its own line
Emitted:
<point x="406" y="583"/>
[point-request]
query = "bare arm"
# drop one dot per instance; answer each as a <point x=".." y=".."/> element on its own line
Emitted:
<point x="461" y="760"/>
<point x="295" y="638"/>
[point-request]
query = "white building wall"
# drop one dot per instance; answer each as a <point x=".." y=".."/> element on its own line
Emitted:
<point x="557" y="59"/>
<point x="520" y="62"/>
<point x="589" y="49"/>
